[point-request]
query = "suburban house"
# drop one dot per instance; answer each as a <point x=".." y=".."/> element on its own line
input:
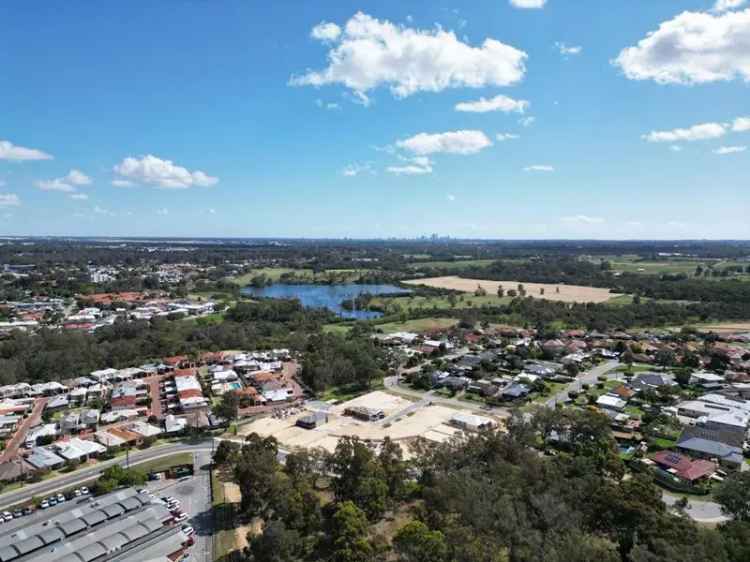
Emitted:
<point x="704" y="443"/>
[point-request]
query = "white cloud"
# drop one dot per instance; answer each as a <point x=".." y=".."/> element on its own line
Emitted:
<point x="356" y="169"/>
<point x="79" y="196"/>
<point x="502" y="137"/>
<point x="450" y="197"/>
<point x="101" y="211"/>
<point x="528" y="4"/>
<point x="582" y="219"/>
<point x="453" y="142"/>
<point x="726" y="5"/>
<point x="568" y="50"/>
<point x="692" y="48"/>
<point x="327" y="105"/>
<point x="9" y="200"/>
<point x="527" y="121"/>
<point x="675" y="148"/>
<point x="370" y="53"/>
<point x="325" y="31"/>
<point x="212" y="211"/>
<point x="498" y="103"/>
<point x="704" y="131"/>
<point x="741" y="124"/>
<point x="539" y="168"/>
<point x="122" y="183"/>
<point x="65" y="184"/>
<point x="162" y="212"/>
<point x="729" y="149"/>
<point x="9" y="151"/>
<point x="162" y="173"/>
<point x="415" y="166"/>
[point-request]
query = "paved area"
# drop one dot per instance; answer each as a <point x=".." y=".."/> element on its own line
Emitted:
<point x="86" y="475"/>
<point x="698" y="510"/>
<point x="589" y="377"/>
<point x="155" y="394"/>
<point x="19" y="437"/>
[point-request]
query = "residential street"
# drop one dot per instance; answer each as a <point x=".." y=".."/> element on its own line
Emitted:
<point x="589" y="377"/>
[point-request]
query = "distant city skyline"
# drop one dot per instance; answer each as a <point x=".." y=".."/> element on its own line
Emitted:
<point x="501" y="119"/>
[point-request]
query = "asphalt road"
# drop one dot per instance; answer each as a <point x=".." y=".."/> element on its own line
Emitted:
<point x="698" y="510"/>
<point x="46" y="487"/>
<point x="589" y="377"/>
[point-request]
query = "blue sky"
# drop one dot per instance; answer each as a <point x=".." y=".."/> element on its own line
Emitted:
<point x="235" y="118"/>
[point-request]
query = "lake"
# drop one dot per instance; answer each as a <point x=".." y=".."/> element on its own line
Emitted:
<point x="326" y="296"/>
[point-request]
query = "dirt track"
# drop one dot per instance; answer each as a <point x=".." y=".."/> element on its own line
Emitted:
<point x="563" y="293"/>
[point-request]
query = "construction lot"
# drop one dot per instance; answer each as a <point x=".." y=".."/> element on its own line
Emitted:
<point x="403" y="421"/>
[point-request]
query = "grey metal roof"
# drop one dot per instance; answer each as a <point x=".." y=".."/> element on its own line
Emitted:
<point x="113" y="510"/>
<point x="91" y="552"/>
<point x="32" y="543"/>
<point x="135" y="532"/>
<point x="130" y="504"/>
<point x="8" y="553"/>
<point x="114" y="542"/>
<point x="152" y="525"/>
<point x="73" y="526"/>
<point x="95" y="517"/>
<point x="51" y="535"/>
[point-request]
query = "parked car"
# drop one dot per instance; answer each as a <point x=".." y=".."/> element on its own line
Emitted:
<point x="52" y="501"/>
<point x="77" y="493"/>
<point x="84" y="490"/>
<point x="28" y="511"/>
<point x="188" y="530"/>
<point x="7" y="516"/>
<point x="17" y="513"/>
<point x="181" y="517"/>
<point x="44" y="504"/>
<point x="60" y="498"/>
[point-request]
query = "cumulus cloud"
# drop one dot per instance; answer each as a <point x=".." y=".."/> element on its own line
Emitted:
<point x="9" y="151"/>
<point x="502" y="137"/>
<point x="539" y="168"/>
<point x="704" y="131"/>
<point x="325" y="31"/>
<point x="9" y="200"/>
<point x="122" y="183"/>
<point x="726" y="5"/>
<point x="415" y="166"/>
<point x="65" y="184"/>
<point x="498" y="103"/>
<point x="528" y="4"/>
<point x="356" y="169"/>
<point x="450" y="197"/>
<point x="692" y="48"/>
<point x="582" y="219"/>
<point x="741" y="124"/>
<point x="162" y="212"/>
<point x="568" y="50"/>
<point x="527" y="121"/>
<point x="370" y="53"/>
<point x="729" y="150"/>
<point x="452" y="142"/>
<point x="166" y="174"/>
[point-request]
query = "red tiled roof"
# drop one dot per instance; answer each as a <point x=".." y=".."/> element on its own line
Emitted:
<point x="190" y="393"/>
<point x="684" y="467"/>
<point x="174" y="361"/>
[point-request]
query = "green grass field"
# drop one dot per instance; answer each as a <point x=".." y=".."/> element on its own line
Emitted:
<point x="634" y="264"/>
<point x="395" y="305"/>
<point x="459" y="264"/>
<point x="417" y="325"/>
<point x="306" y="275"/>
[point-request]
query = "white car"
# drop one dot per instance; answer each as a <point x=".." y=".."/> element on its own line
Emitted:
<point x="60" y="498"/>
<point x="84" y="490"/>
<point x="44" y="504"/>
<point x="181" y="517"/>
<point x="7" y="516"/>
<point x="188" y="530"/>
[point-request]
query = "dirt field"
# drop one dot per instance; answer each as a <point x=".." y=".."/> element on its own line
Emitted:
<point x="404" y="421"/>
<point x="726" y="328"/>
<point x="567" y="293"/>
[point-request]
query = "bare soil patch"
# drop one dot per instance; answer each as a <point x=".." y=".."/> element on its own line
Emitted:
<point x="547" y="291"/>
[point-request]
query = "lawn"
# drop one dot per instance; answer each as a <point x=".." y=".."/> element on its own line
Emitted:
<point x="458" y="264"/>
<point x="418" y="325"/>
<point x="394" y="305"/>
<point x="160" y="465"/>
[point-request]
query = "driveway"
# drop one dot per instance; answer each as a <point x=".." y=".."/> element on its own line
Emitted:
<point x="19" y="437"/>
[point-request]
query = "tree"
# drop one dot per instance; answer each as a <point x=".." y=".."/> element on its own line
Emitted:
<point x="733" y="495"/>
<point x="228" y="407"/>
<point x="415" y="542"/>
<point x="500" y="291"/>
<point x="665" y="358"/>
<point x="360" y="478"/>
<point x="348" y="532"/>
<point x="255" y="472"/>
<point x="275" y="544"/>
<point x="226" y="451"/>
